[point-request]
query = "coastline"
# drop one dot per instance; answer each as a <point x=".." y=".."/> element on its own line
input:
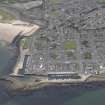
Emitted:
<point x="16" y="86"/>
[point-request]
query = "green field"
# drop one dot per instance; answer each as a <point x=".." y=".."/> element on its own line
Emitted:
<point x="25" y="43"/>
<point x="70" y="44"/>
<point x="13" y="1"/>
<point x="87" y="55"/>
<point x="101" y="1"/>
<point x="54" y="1"/>
<point x="54" y="13"/>
<point x="6" y="17"/>
<point x="9" y="1"/>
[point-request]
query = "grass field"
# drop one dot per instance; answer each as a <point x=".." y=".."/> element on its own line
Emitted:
<point x="87" y="55"/>
<point x="25" y="43"/>
<point x="101" y="1"/>
<point x="14" y="1"/>
<point x="5" y="16"/>
<point x="9" y="1"/>
<point x="54" y="14"/>
<point x="70" y="44"/>
<point x="54" y="1"/>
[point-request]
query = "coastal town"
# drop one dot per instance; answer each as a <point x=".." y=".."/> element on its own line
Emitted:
<point x="71" y="46"/>
<point x="56" y="42"/>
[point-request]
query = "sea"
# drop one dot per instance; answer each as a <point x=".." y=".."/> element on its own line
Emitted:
<point x="51" y="95"/>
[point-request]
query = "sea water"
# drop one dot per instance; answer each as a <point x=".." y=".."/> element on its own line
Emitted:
<point x="54" y="96"/>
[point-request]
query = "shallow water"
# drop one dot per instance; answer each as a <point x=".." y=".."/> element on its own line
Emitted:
<point x="4" y="57"/>
<point x="7" y="58"/>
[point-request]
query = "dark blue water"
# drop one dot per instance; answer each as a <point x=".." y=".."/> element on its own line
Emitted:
<point x="55" y="96"/>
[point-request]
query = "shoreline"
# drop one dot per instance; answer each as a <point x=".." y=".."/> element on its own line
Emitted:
<point x="15" y="86"/>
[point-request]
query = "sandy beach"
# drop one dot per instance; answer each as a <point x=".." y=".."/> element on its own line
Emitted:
<point x="9" y="31"/>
